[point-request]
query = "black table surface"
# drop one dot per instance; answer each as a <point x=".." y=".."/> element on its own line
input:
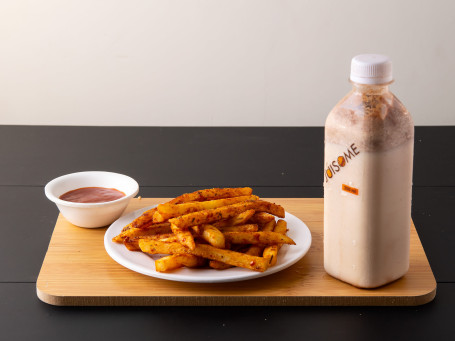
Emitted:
<point x="276" y="162"/>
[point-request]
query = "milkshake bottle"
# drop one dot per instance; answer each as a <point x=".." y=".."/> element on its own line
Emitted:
<point x="369" y="143"/>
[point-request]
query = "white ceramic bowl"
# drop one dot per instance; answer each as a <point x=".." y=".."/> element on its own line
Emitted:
<point x="91" y="214"/>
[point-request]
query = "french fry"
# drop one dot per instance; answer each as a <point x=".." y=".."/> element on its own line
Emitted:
<point x="173" y="262"/>
<point x="211" y="194"/>
<point x="213" y="236"/>
<point x="132" y="244"/>
<point x="253" y="250"/>
<point x="256" y="250"/>
<point x="271" y="252"/>
<point x="206" y="251"/>
<point x="184" y="236"/>
<point x="269" y="207"/>
<point x="264" y="238"/>
<point x="270" y="226"/>
<point x="157" y="217"/>
<point x="142" y="220"/>
<point x="172" y="238"/>
<point x="197" y="229"/>
<point x="167" y="211"/>
<point x="225" y="212"/>
<point x="240" y="228"/>
<point x="217" y="265"/>
<point x="281" y="227"/>
<point x="261" y="218"/>
<point x="139" y="232"/>
<point x="238" y="219"/>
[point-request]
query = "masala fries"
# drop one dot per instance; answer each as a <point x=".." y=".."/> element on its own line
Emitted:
<point x="221" y="227"/>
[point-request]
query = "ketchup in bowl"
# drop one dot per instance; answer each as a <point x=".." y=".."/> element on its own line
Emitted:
<point x="92" y="195"/>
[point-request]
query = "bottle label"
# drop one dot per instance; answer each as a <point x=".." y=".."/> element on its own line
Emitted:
<point x="350" y="189"/>
<point x="332" y="168"/>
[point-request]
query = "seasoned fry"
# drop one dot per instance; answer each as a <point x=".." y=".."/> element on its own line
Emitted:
<point x="158" y="218"/>
<point x="238" y="219"/>
<point x="172" y="238"/>
<point x="142" y="220"/>
<point x="256" y="250"/>
<point x="211" y="194"/>
<point x="139" y="232"/>
<point x="269" y="207"/>
<point x="213" y="236"/>
<point x="197" y="229"/>
<point x="253" y="250"/>
<point x="226" y="212"/>
<point x="234" y="258"/>
<point x="240" y="228"/>
<point x="166" y="211"/>
<point x="271" y="251"/>
<point x="217" y="265"/>
<point x="270" y="226"/>
<point x="261" y="218"/>
<point x="281" y="227"/>
<point x="132" y="244"/>
<point x="206" y="251"/>
<point x="184" y="236"/>
<point x="173" y="262"/>
<point x="264" y="238"/>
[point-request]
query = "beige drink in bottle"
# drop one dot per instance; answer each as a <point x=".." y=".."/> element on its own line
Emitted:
<point x="369" y="141"/>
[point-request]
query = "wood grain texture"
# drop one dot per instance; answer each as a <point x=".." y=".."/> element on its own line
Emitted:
<point x="77" y="271"/>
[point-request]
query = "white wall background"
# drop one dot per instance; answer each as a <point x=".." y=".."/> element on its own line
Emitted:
<point x="216" y="63"/>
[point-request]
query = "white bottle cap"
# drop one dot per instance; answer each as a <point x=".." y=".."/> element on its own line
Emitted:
<point x="371" y="69"/>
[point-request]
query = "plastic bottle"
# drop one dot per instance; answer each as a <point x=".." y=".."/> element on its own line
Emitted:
<point x="369" y="144"/>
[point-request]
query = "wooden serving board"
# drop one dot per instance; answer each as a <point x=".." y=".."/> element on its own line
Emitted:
<point x="77" y="271"/>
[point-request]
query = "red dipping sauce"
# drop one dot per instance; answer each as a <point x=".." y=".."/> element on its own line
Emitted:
<point x="92" y="195"/>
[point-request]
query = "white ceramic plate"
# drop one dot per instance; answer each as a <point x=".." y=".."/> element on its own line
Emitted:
<point x="144" y="264"/>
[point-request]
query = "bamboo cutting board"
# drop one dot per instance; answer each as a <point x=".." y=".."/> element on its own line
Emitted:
<point x="77" y="271"/>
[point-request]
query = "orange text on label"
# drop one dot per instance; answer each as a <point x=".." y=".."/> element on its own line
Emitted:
<point x="350" y="189"/>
